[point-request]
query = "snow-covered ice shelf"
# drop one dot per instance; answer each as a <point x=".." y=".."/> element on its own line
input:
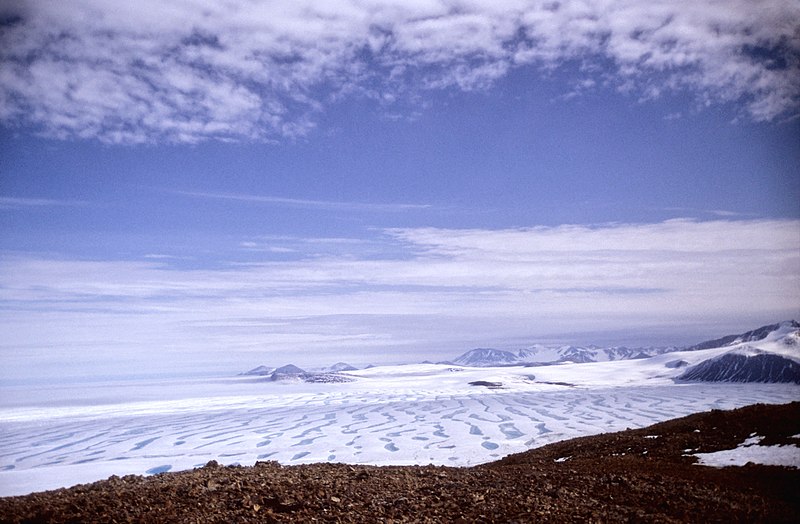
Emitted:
<point x="399" y="415"/>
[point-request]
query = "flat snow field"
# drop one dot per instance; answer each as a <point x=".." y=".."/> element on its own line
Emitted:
<point x="59" y="436"/>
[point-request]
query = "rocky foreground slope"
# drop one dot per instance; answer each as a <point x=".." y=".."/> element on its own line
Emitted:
<point x="645" y="475"/>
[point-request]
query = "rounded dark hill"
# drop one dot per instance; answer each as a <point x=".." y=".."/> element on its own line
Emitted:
<point x="737" y="367"/>
<point x="289" y="371"/>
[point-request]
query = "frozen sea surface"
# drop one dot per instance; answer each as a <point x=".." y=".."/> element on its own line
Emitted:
<point x="403" y="415"/>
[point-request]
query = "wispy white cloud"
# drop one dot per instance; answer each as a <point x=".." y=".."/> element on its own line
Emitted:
<point x="721" y="213"/>
<point x="306" y="203"/>
<point x="191" y="71"/>
<point x="316" y="247"/>
<point x="28" y="203"/>
<point x="437" y="291"/>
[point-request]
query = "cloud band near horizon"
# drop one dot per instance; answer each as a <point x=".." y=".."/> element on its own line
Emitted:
<point x="186" y="72"/>
<point x="440" y="289"/>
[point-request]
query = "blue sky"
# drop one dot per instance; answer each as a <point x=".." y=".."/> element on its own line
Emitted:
<point x="193" y="187"/>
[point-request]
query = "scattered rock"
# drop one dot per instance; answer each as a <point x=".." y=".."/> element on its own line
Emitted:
<point x="487" y="384"/>
<point x="606" y="479"/>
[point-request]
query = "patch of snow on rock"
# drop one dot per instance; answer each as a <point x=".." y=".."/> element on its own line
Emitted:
<point x="749" y="451"/>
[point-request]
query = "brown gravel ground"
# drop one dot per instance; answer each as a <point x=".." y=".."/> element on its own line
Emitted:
<point x="618" y="477"/>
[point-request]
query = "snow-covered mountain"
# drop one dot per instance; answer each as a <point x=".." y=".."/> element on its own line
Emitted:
<point x="774" y="330"/>
<point x="341" y="366"/>
<point x="542" y="354"/>
<point x="592" y="353"/>
<point x="260" y="371"/>
<point x="292" y="373"/>
<point x="745" y="365"/>
<point x="487" y="357"/>
<point x="767" y="354"/>
<point x="287" y="372"/>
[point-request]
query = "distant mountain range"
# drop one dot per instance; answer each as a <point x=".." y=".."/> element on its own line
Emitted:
<point x="768" y="354"/>
<point x="290" y="372"/>
<point x="539" y="354"/>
